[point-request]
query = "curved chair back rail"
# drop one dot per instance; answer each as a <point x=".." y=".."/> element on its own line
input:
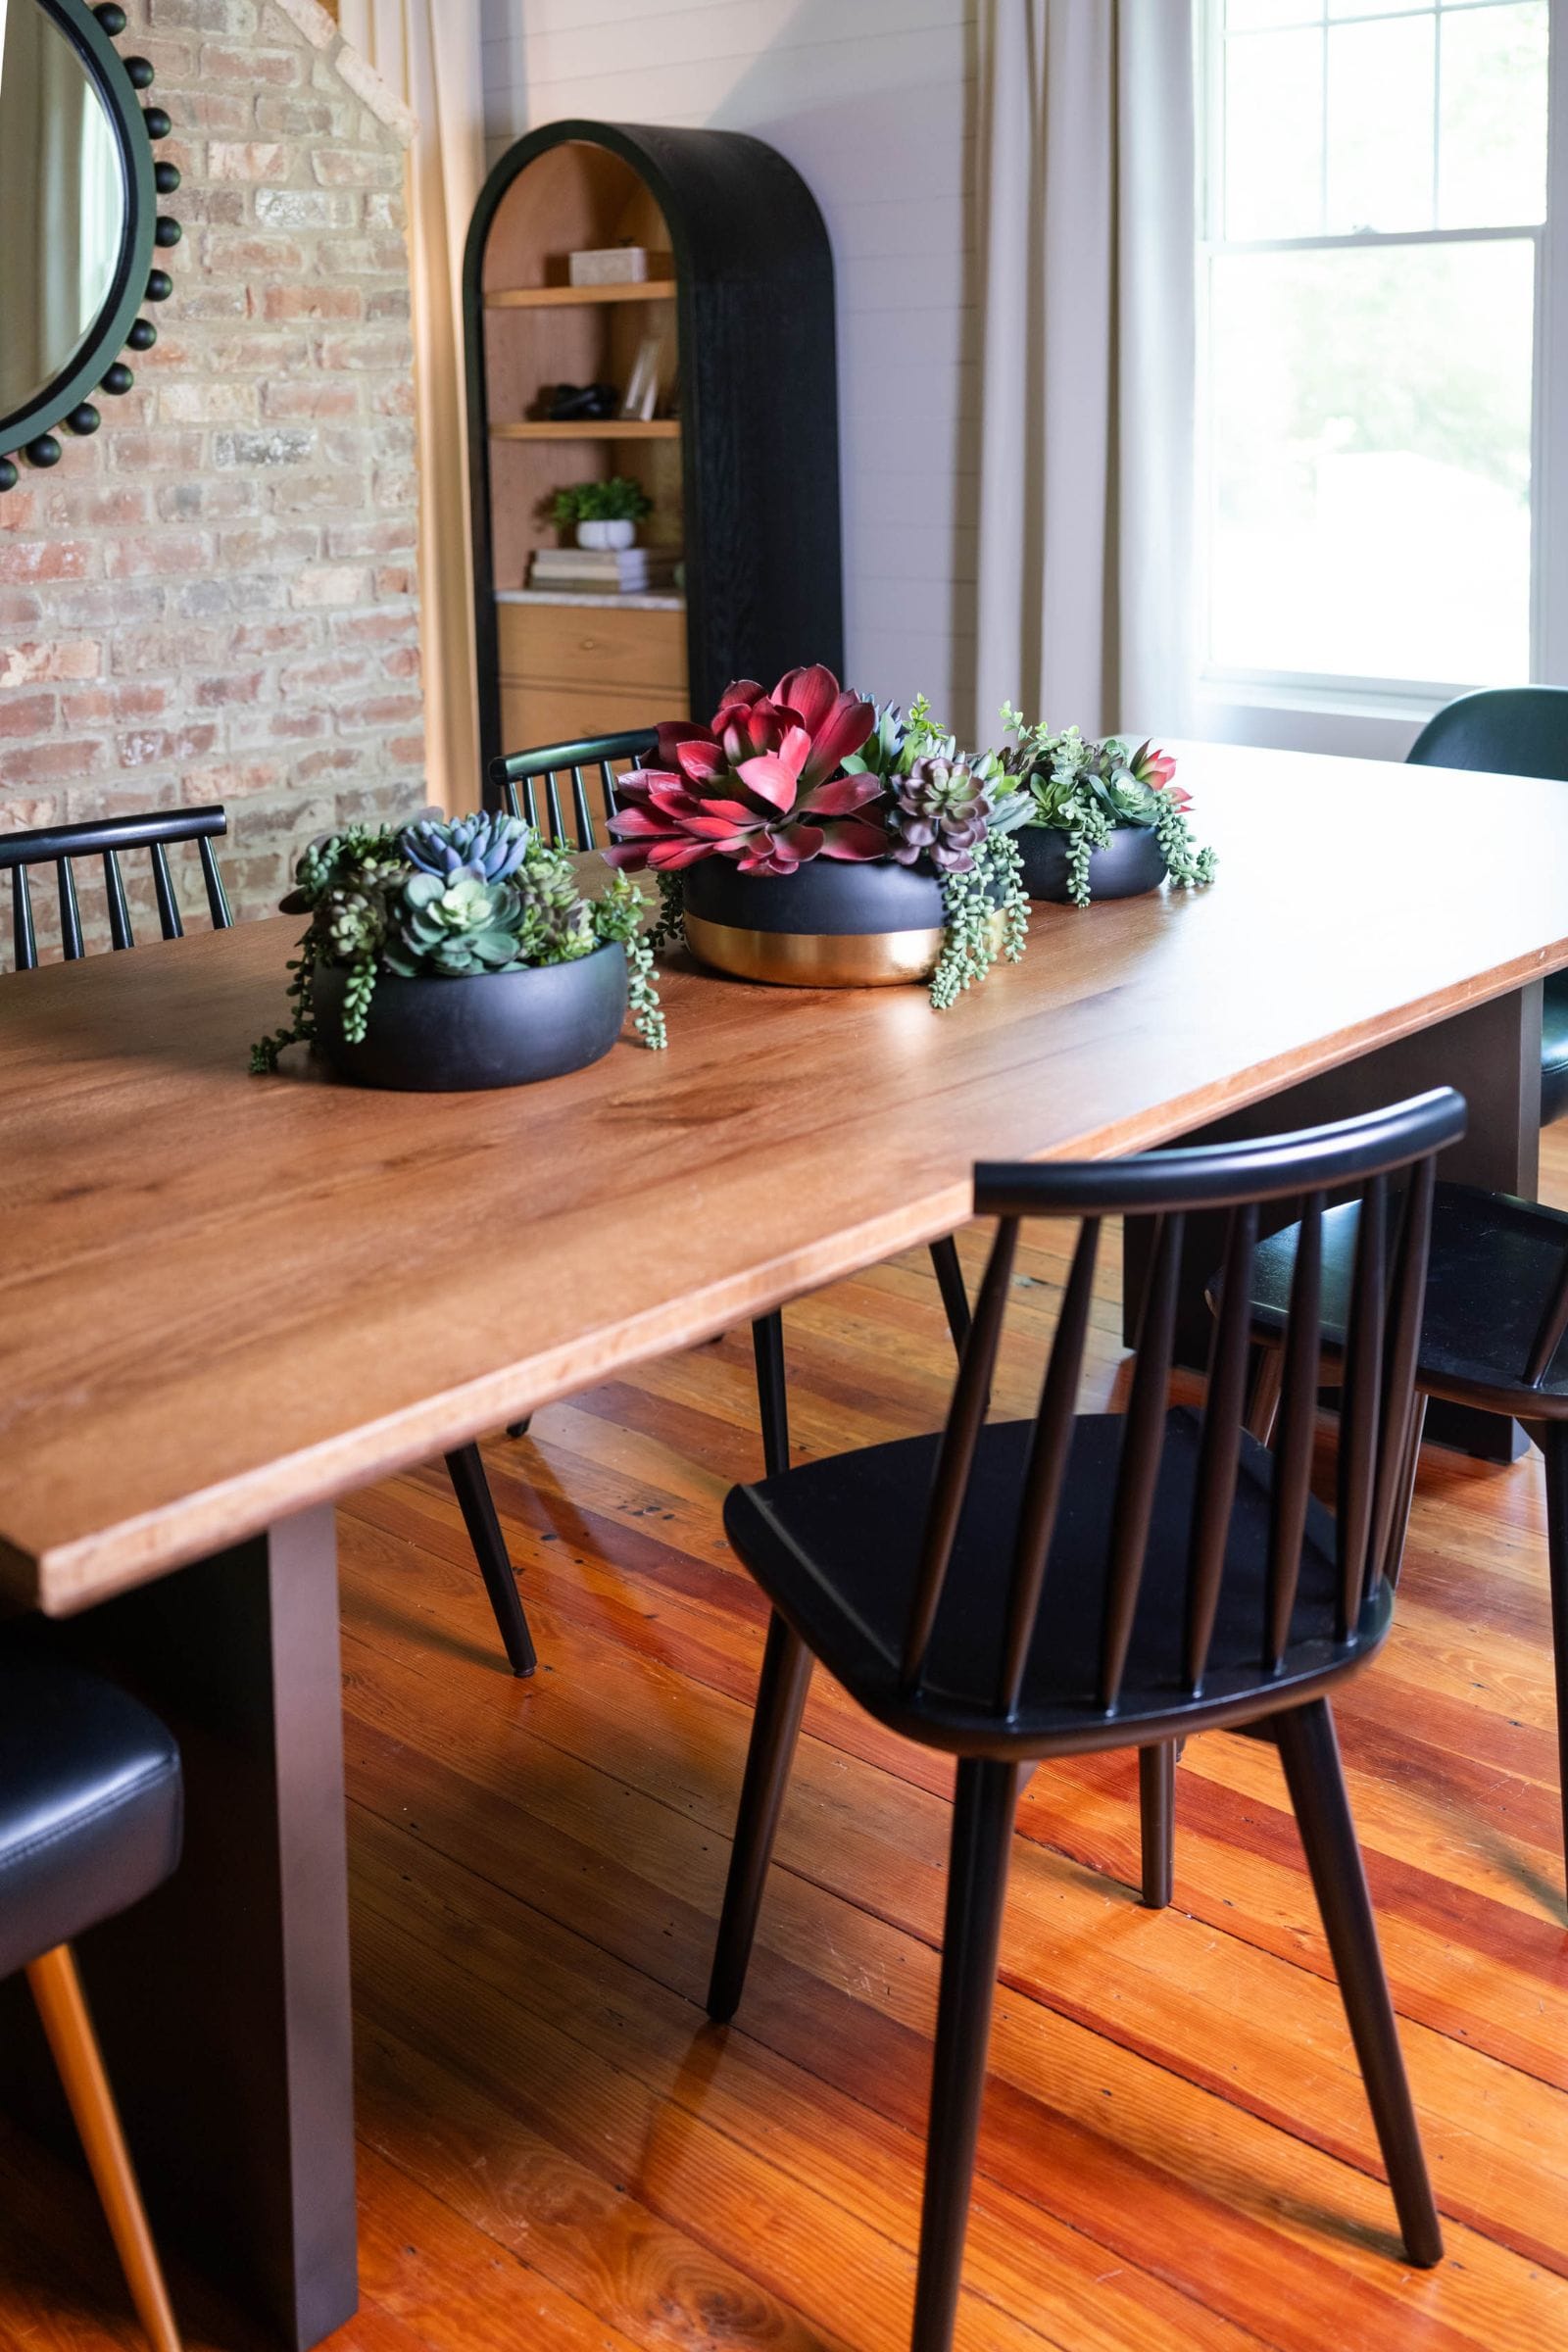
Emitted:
<point x="1510" y="730"/>
<point x="1382" y="1331"/>
<point x="109" y="838"/>
<point x="519" y="776"/>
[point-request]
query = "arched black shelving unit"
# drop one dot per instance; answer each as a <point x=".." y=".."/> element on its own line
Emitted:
<point x="744" y="475"/>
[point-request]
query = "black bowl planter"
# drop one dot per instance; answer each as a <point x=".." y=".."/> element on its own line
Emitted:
<point x="830" y="925"/>
<point x="492" y="1029"/>
<point x="1130" y="863"/>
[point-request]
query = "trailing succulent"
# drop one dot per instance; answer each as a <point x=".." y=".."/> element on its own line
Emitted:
<point x="446" y="898"/>
<point x="1086" y="790"/>
<point x="813" y="771"/>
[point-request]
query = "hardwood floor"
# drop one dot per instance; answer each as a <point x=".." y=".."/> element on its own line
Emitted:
<point x="558" y="2152"/>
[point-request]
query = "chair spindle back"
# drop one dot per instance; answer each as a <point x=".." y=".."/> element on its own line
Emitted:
<point x="1382" y="1333"/>
<point x="110" y="839"/>
<point x="517" y="777"/>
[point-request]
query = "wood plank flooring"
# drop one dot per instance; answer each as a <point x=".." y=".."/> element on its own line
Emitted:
<point x="559" y="2154"/>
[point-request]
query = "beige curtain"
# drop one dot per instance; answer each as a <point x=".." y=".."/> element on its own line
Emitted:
<point x="428" y="54"/>
<point x="1086" y="271"/>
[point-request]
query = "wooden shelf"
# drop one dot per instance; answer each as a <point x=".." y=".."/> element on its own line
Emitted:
<point x="593" y="428"/>
<point x="556" y="298"/>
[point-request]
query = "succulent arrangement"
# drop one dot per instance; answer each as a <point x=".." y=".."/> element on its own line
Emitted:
<point x="449" y="899"/>
<point x="1087" y="790"/>
<point x="617" y="499"/>
<point x="813" y="771"/>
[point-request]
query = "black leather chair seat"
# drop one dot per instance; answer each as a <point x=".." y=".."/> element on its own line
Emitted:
<point x="1554" y="1048"/>
<point x="835" y="1545"/>
<point x="90" y="1802"/>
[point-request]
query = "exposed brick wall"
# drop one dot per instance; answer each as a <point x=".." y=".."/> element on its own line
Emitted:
<point x="215" y="599"/>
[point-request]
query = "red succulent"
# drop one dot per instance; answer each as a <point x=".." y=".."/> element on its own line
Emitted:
<point x="761" y="785"/>
<point x="1157" y="769"/>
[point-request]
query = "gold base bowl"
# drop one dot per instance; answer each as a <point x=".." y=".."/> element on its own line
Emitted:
<point x="831" y="924"/>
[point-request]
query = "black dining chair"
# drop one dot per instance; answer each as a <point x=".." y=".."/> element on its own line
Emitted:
<point x="90" y="1821"/>
<point x="110" y="839"/>
<point x="1496" y="1315"/>
<point x="1513" y="731"/>
<point x="1024" y="1590"/>
<point x="541" y="786"/>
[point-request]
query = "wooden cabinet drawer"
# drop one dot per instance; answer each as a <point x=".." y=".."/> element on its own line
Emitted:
<point x="532" y="717"/>
<point x="595" y="646"/>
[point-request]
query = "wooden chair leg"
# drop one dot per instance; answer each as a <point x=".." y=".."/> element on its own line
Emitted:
<point x="465" y="1470"/>
<point x="984" y="1805"/>
<point x="1310" y="1754"/>
<point x="775" y="1727"/>
<point x="1553" y="1438"/>
<point x="772" y="1396"/>
<point x="951" y="1283"/>
<point x="57" y="1990"/>
<point x="1266" y="1400"/>
<point x="1156" y="1814"/>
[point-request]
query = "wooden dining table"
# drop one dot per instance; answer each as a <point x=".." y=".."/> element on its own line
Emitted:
<point x="226" y="1300"/>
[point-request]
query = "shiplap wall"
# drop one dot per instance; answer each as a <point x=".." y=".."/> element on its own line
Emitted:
<point x="869" y="100"/>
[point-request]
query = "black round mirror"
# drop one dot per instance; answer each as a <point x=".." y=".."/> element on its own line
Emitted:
<point x="78" y="189"/>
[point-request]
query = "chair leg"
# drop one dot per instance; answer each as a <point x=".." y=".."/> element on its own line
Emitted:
<point x="1266" y="1400"/>
<point x="520" y="1429"/>
<point x="465" y="1470"/>
<point x="1310" y="1754"/>
<point x="1156" y="1815"/>
<point x="57" y="1990"/>
<point x="1554" y="1445"/>
<point x="951" y="1283"/>
<point x="984" y="1805"/>
<point x="1399" y="1525"/>
<point x="775" y="1727"/>
<point x="772" y="1396"/>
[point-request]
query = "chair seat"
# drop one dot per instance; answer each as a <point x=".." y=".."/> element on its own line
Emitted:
<point x="1493" y="1264"/>
<point x="90" y="1802"/>
<point x="836" y="1547"/>
<point x="1553" y="1048"/>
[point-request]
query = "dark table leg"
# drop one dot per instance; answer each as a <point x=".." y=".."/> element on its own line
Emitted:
<point x="222" y="2001"/>
<point x="1493" y="1054"/>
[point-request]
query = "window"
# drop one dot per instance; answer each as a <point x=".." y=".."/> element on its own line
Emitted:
<point x="1370" y="303"/>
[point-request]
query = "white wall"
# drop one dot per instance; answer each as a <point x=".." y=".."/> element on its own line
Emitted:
<point x="869" y="100"/>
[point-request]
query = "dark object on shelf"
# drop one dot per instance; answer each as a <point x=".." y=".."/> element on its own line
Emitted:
<point x="1496" y="1313"/>
<point x="90" y="1821"/>
<point x="1513" y="731"/>
<point x="834" y="924"/>
<point x="491" y="1029"/>
<point x="61" y="81"/>
<point x="756" y="357"/>
<point x="1017" y="1590"/>
<point x="560" y="403"/>
<point x="1130" y="863"/>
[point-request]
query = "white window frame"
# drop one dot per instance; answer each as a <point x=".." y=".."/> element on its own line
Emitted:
<point x="1376" y="717"/>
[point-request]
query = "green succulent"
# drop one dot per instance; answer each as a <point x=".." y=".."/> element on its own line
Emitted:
<point x="453" y="924"/>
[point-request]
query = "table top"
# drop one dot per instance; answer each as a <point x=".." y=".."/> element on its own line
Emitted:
<point x="226" y="1298"/>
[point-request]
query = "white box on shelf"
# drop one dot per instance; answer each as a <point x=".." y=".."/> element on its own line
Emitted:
<point x="609" y="266"/>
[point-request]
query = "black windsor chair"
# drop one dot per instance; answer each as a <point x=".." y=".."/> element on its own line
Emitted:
<point x="111" y="837"/>
<point x="1020" y="1591"/>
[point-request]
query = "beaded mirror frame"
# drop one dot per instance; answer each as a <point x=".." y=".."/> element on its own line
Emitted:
<point x="31" y="433"/>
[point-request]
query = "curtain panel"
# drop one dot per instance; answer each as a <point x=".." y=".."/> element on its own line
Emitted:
<point x="1086" y="269"/>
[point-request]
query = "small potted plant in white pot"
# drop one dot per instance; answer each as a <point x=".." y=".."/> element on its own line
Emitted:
<point x="603" y="515"/>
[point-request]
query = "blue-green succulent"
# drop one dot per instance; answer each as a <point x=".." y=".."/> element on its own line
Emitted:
<point x="492" y="843"/>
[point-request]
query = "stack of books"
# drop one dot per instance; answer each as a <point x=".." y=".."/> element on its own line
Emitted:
<point x="605" y="572"/>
